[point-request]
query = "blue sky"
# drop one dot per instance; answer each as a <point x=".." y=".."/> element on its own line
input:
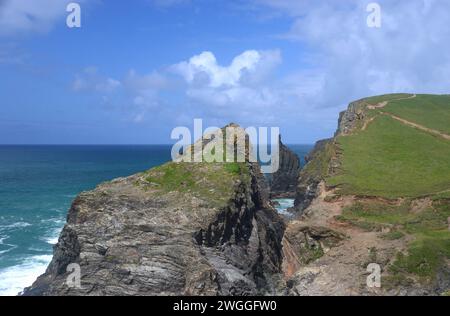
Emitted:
<point x="137" y="69"/>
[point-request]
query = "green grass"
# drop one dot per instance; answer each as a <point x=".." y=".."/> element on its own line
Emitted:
<point x="393" y="235"/>
<point x="386" y="97"/>
<point x="375" y="215"/>
<point x="425" y="255"/>
<point x="442" y="195"/>
<point x="429" y="229"/>
<point x="213" y="182"/>
<point x="317" y="167"/>
<point x="432" y="111"/>
<point x="234" y="167"/>
<point x="392" y="160"/>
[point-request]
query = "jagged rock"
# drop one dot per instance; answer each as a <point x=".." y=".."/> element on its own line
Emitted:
<point x="351" y="118"/>
<point x="310" y="242"/>
<point x="311" y="175"/>
<point x="322" y="161"/>
<point x="283" y="183"/>
<point x="178" y="229"/>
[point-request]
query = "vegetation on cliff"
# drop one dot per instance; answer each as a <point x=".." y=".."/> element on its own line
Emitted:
<point x="212" y="182"/>
<point x="391" y="156"/>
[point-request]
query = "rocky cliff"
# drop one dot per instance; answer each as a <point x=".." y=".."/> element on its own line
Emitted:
<point x="317" y="164"/>
<point x="323" y="160"/>
<point x="283" y="183"/>
<point x="177" y="229"/>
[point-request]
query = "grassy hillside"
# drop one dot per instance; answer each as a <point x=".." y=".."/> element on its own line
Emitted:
<point x="388" y="157"/>
<point x="432" y="111"/>
<point x="391" y="159"/>
<point x="386" y="97"/>
<point x="430" y="247"/>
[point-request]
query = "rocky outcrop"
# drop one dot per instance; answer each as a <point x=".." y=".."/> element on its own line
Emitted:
<point x="323" y="160"/>
<point x="351" y="118"/>
<point x="302" y="244"/>
<point x="283" y="183"/>
<point x="312" y="174"/>
<point x="311" y="242"/>
<point x="178" y="229"/>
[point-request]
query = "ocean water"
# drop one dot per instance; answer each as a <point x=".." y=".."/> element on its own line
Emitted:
<point x="283" y="205"/>
<point x="37" y="186"/>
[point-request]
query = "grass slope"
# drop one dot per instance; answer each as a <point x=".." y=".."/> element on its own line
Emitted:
<point x="429" y="228"/>
<point x="392" y="160"/>
<point x="432" y="111"/>
<point x="212" y="182"/>
<point x="386" y="97"/>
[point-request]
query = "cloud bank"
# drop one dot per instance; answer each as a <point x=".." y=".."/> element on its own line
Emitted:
<point x="407" y="54"/>
<point x="243" y="88"/>
<point x="25" y="16"/>
<point x="345" y="60"/>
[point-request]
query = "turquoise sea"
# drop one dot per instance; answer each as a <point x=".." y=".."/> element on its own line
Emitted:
<point x="37" y="186"/>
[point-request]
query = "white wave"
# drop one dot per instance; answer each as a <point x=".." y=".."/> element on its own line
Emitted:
<point x="53" y="238"/>
<point x="4" y="245"/>
<point x="283" y="205"/>
<point x="14" y="279"/>
<point x="11" y="247"/>
<point x="16" y="225"/>
<point x="58" y="221"/>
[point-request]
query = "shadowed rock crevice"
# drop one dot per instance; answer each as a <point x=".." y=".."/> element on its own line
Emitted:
<point x="283" y="183"/>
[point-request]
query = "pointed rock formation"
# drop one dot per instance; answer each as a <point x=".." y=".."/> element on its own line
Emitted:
<point x="283" y="183"/>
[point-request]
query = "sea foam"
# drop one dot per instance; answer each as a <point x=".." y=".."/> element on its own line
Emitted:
<point x="14" y="279"/>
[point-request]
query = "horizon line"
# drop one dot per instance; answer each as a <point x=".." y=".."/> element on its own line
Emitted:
<point x="156" y="144"/>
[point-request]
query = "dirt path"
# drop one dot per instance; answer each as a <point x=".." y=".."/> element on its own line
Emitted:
<point x="366" y="123"/>
<point x="383" y="104"/>
<point x="377" y="106"/>
<point x="343" y="269"/>
<point x="406" y="122"/>
<point x="418" y="126"/>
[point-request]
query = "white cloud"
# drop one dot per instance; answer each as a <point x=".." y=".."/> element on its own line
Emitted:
<point x="25" y="16"/>
<point x="135" y="94"/>
<point x="245" y="90"/>
<point x="91" y="80"/>
<point x="151" y="81"/>
<point x="240" y="89"/>
<point x="204" y="70"/>
<point x="144" y="93"/>
<point x="409" y="53"/>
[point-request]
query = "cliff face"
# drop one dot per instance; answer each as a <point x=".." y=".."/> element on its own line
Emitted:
<point x="351" y="118"/>
<point x="323" y="160"/>
<point x="283" y="183"/>
<point x="317" y="163"/>
<point x="178" y="229"/>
